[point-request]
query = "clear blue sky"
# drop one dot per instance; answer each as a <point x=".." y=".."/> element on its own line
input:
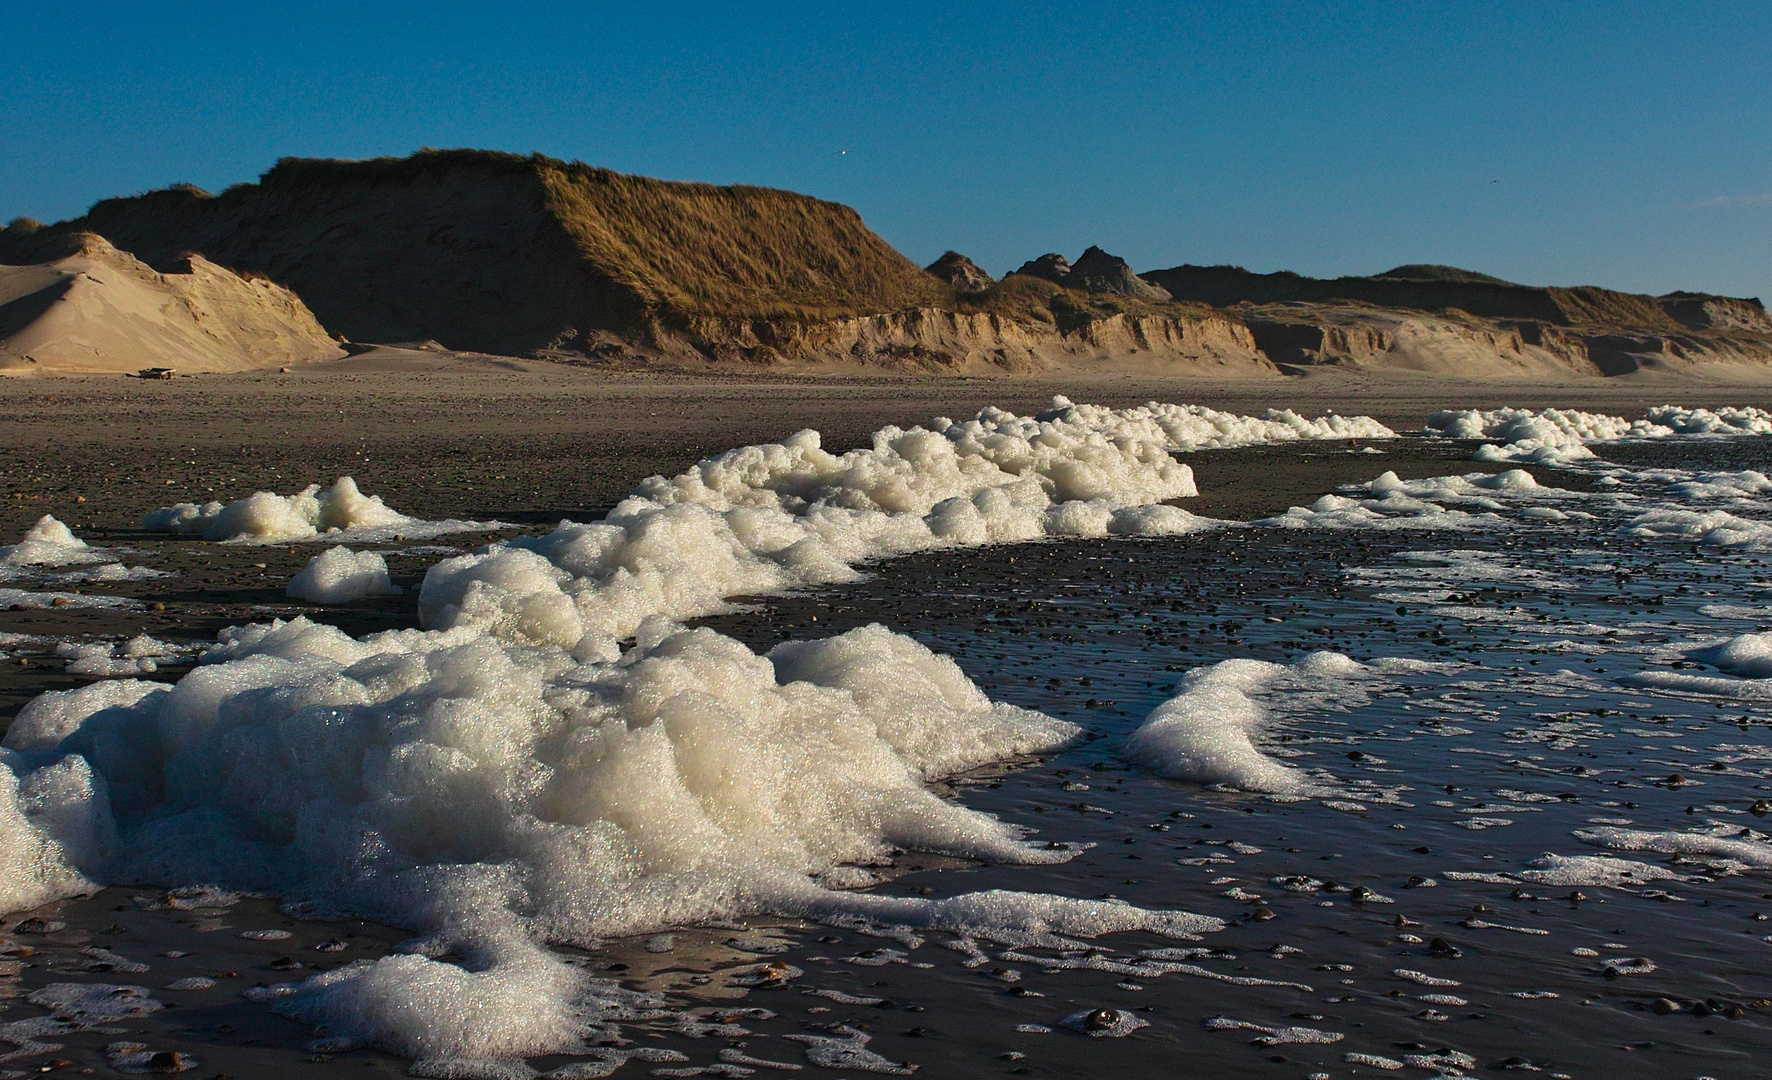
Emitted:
<point x="1622" y="144"/>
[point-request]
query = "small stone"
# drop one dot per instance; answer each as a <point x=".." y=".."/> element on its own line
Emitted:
<point x="1664" y="1007"/>
<point x="169" y="1061"/>
<point x="34" y="925"/>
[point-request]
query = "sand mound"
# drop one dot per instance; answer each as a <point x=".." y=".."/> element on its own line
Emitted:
<point x="97" y="309"/>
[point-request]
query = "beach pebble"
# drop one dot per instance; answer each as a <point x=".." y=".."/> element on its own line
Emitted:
<point x="134" y="1057"/>
<point x="1104" y="1023"/>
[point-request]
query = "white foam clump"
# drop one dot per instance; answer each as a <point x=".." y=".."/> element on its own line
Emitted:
<point x="1555" y="436"/>
<point x="770" y="518"/>
<point x="1547" y="435"/>
<point x="1747" y="655"/>
<point x="49" y="552"/>
<point x="1729" y="420"/>
<point x="338" y="512"/>
<point x="494" y="796"/>
<point x="50" y="544"/>
<point x="1390" y="502"/>
<point x="339" y="575"/>
<point x="1592" y="870"/>
<point x="1208" y="732"/>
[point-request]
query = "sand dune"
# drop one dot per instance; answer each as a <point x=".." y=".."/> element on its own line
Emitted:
<point x="97" y="309"/>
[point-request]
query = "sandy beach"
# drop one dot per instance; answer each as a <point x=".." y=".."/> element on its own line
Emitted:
<point x="528" y="444"/>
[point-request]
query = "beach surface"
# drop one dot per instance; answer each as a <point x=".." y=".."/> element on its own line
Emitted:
<point x="522" y="445"/>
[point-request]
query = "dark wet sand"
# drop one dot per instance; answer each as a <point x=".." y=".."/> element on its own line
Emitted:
<point x="530" y="444"/>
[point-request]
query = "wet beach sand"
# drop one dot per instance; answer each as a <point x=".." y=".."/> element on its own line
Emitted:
<point x="528" y="444"/>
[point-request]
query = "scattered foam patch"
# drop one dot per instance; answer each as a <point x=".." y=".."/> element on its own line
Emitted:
<point x="780" y="516"/>
<point x="846" y="1048"/>
<point x="73" y="1007"/>
<point x="339" y="512"/>
<point x="339" y="575"/>
<point x="26" y="600"/>
<point x="140" y="655"/>
<point x="1272" y="1036"/>
<point x="1390" y="502"/>
<point x="1733" y="845"/>
<point x="1564" y="871"/>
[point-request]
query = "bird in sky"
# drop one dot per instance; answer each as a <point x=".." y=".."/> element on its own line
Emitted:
<point x="839" y="153"/>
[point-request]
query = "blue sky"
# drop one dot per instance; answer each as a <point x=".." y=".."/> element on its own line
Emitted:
<point x="1622" y="144"/>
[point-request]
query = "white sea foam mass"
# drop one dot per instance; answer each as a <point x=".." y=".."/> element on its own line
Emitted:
<point x="494" y="795"/>
<point x="1552" y="436"/>
<point x="556" y="760"/>
<point x="513" y="776"/>
<point x="338" y="512"/>
<point x="771" y="518"/>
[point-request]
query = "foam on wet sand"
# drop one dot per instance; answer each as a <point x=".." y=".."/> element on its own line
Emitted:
<point x="337" y="512"/>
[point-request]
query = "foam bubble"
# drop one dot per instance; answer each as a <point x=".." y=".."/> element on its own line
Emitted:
<point x="339" y="575"/>
<point x="34" y="867"/>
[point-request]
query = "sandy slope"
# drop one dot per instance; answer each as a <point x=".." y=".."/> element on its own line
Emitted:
<point x="102" y="310"/>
